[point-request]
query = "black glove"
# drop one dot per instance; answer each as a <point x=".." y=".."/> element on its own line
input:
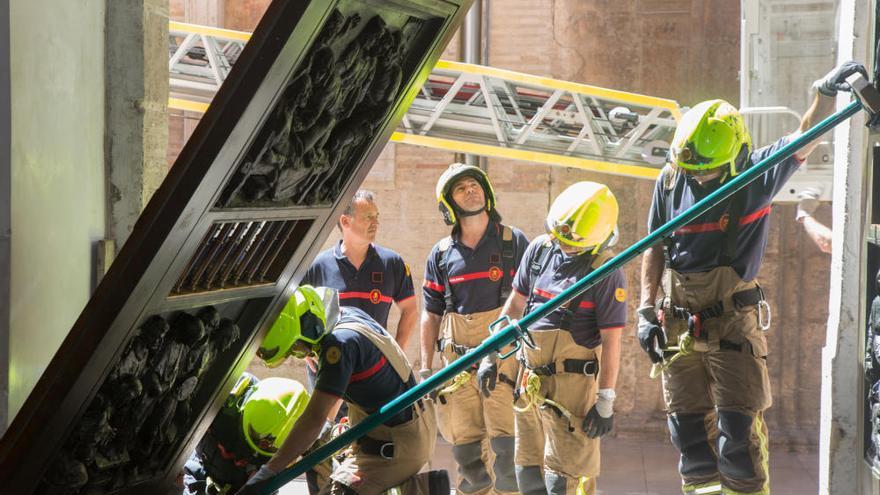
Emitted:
<point x="835" y="80"/>
<point x="595" y="425"/>
<point x="257" y="483"/>
<point x="487" y="375"/>
<point x="651" y="335"/>
<point x="252" y="489"/>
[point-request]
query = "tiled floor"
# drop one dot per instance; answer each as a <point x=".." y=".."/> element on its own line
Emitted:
<point x="632" y="467"/>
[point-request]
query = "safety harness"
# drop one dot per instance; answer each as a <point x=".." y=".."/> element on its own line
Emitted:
<point x="739" y="300"/>
<point x="508" y="265"/>
<point x="731" y="230"/>
<point x="539" y="263"/>
<point x="531" y="381"/>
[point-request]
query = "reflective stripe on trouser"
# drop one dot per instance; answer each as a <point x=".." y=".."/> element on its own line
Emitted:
<point x="544" y="436"/>
<point x="369" y="474"/>
<point x="464" y="415"/>
<point x="727" y="373"/>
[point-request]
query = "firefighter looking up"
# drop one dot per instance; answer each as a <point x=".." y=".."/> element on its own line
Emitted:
<point x="708" y="328"/>
<point x="568" y="397"/>
<point x="467" y="278"/>
<point x="253" y="422"/>
<point x="359" y="362"/>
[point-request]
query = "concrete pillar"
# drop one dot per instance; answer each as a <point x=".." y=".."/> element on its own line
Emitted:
<point x="842" y="470"/>
<point x="136" y="81"/>
<point x="5" y="209"/>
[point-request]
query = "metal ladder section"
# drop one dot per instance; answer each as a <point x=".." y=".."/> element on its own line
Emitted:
<point x="476" y="109"/>
<point x="527" y="117"/>
<point x="200" y="60"/>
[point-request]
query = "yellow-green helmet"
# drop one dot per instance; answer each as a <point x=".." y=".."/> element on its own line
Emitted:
<point x="712" y="134"/>
<point x="270" y="412"/>
<point x="584" y="215"/>
<point x="448" y="178"/>
<point x="308" y="315"/>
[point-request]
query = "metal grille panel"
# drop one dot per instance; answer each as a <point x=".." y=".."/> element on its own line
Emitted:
<point x="241" y="254"/>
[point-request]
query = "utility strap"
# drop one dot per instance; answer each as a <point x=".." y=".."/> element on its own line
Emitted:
<point x="577" y="366"/>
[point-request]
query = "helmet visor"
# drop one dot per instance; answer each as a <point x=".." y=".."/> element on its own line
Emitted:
<point x="688" y="157"/>
<point x="567" y="235"/>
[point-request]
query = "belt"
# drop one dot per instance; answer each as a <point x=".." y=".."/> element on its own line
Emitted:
<point x="385" y="448"/>
<point x="380" y="448"/>
<point x="739" y="300"/>
<point x="578" y="366"/>
<point x="459" y="349"/>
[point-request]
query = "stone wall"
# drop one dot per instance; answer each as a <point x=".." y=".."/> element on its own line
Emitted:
<point x="686" y="50"/>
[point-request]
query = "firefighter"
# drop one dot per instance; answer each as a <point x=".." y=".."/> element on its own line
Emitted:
<point x="567" y="400"/>
<point x="360" y="363"/>
<point x="255" y="419"/>
<point x="467" y="279"/>
<point x="707" y="331"/>
<point x="367" y="276"/>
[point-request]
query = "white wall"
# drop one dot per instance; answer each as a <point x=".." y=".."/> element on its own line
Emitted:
<point x="57" y="81"/>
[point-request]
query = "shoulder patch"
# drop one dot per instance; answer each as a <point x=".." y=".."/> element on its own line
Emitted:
<point x="406" y="266"/>
<point x="620" y="294"/>
<point x="333" y="354"/>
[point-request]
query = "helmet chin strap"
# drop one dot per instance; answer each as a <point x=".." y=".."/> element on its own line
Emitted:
<point x="462" y="213"/>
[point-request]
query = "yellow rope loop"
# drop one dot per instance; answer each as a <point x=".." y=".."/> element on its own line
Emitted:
<point x="534" y="399"/>
<point x="456" y="383"/>
<point x="532" y="393"/>
<point x="685" y="347"/>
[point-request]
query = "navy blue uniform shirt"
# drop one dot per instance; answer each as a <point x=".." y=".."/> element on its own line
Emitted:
<point x="351" y="367"/>
<point x="383" y="277"/>
<point x="474" y="275"/>
<point x="602" y="306"/>
<point x="697" y="246"/>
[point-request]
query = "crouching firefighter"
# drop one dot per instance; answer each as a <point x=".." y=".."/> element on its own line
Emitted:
<point x="255" y="419"/>
<point x="707" y="331"/>
<point x="567" y="398"/>
<point x="360" y="363"/>
<point x="468" y="276"/>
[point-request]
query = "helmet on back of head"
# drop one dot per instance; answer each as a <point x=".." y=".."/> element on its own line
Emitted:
<point x="443" y="191"/>
<point x="270" y="411"/>
<point x="308" y="316"/>
<point x="584" y="216"/>
<point x="710" y="135"/>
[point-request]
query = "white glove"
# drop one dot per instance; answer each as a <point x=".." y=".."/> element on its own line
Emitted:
<point x="605" y="402"/>
<point x="808" y="201"/>
<point x="425" y="373"/>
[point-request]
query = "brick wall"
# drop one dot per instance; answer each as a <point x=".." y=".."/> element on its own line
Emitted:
<point x="687" y="50"/>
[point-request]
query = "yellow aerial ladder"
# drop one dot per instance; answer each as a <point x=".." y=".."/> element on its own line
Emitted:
<point x="476" y="109"/>
<point x="499" y="113"/>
